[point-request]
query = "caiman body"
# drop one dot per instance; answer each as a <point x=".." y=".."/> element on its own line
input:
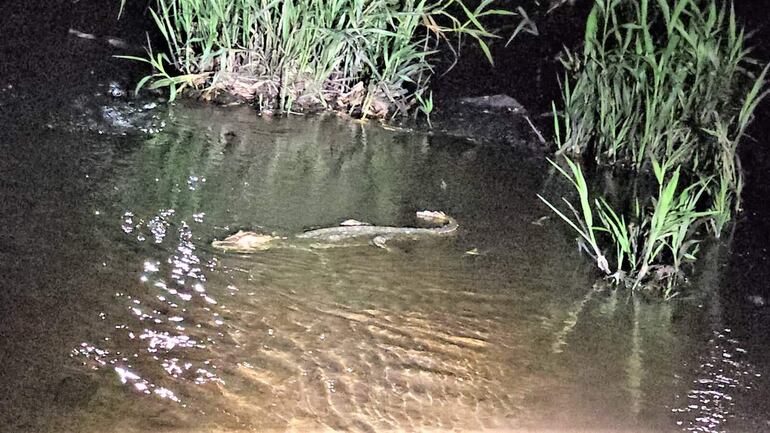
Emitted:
<point x="249" y="241"/>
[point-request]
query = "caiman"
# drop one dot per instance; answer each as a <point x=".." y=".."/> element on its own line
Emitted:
<point x="251" y="242"/>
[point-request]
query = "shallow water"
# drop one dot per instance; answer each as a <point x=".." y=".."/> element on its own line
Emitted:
<point x="117" y="316"/>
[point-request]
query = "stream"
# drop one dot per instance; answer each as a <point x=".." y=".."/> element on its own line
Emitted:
<point x="122" y="318"/>
<point x="117" y="316"/>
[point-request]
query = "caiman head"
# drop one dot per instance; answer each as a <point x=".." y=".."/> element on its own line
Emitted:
<point x="246" y="242"/>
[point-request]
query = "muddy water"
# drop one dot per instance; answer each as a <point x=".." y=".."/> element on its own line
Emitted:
<point x="117" y="316"/>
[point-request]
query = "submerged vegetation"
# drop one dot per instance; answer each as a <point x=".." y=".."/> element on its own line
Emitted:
<point x="372" y="57"/>
<point x="667" y="86"/>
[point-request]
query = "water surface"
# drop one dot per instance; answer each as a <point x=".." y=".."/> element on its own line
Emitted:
<point x="119" y="317"/>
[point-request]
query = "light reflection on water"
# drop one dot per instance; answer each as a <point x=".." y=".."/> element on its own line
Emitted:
<point x="159" y="330"/>
<point x="422" y="337"/>
<point x="720" y="375"/>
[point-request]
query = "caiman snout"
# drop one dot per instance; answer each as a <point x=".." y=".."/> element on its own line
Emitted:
<point x="245" y="242"/>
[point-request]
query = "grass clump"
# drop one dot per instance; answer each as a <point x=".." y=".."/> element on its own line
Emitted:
<point x="366" y="56"/>
<point x="657" y="76"/>
<point x="666" y="86"/>
<point x="651" y="245"/>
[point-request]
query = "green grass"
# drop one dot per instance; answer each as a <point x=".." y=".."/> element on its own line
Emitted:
<point x="653" y="243"/>
<point x="666" y="87"/>
<point x="656" y="76"/>
<point x="367" y="56"/>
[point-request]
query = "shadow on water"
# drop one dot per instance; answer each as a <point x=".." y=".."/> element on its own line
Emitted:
<point x="140" y="326"/>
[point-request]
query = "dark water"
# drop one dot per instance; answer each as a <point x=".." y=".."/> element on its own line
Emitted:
<point x="117" y="316"/>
